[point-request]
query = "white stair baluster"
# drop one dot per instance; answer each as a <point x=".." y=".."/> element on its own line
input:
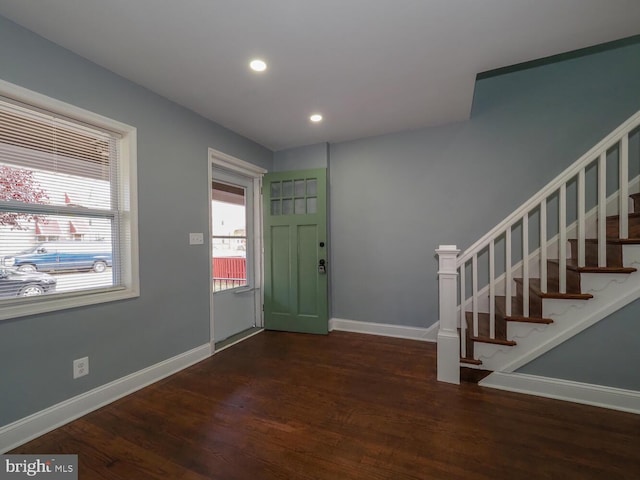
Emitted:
<point x="463" y="314"/>
<point x="492" y="289"/>
<point x="543" y="245"/>
<point x="581" y="225"/>
<point x="562" y="238"/>
<point x="525" y="265"/>
<point x="474" y="286"/>
<point x="507" y="265"/>
<point x="602" y="210"/>
<point x="624" y="187"/>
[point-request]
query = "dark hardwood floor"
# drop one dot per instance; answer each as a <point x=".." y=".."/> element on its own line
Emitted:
<point x="342" y="406"/>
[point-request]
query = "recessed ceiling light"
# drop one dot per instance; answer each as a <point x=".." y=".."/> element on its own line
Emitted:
<point x="315" y="118"/>
<point x="258" y="65"/>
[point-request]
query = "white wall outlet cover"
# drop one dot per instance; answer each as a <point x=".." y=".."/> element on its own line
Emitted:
<point x="196" y="238"/>
<point x="81" y="367"/>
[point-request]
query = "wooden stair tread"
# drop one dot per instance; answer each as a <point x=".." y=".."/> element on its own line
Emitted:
<point x="611" y="240"/>
<point x="631" y="215"/>
<point x="470" y="361"/>
<point x="607" y="269"/>
<point x="625" y="241"/>
<point x="566" y="296"/>
<point x="520" y="318"/>
<point x="572" y="264"/>
<point x="534" y="287"/>
<point x="496" y="341"/>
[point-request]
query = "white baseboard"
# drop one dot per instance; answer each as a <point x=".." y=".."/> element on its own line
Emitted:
<point x="429" y="334"/>
<point x="585" y="393"/>
<point x="28" y="428"/>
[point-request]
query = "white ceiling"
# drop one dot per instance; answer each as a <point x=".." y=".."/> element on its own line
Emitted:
<point x="369" y="66"/>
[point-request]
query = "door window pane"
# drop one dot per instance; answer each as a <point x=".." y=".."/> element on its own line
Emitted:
<point x="276" y="190"/>
<point x="311" y="205"/>
<point x="287" y="188"/>
<point x="229" y="241"/>
<point x="312" y="187"/>
<point x="303" y="191"/>
<point x="275" y="207"/>
<point x="287" y="206"/>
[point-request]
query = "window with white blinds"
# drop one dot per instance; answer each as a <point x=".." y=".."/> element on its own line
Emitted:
<point x="67" y="206"/>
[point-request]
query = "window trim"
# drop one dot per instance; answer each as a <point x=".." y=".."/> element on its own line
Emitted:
<point x="129" y="209"/>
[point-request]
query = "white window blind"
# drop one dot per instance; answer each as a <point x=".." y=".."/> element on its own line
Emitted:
<point x="65" y="209"/>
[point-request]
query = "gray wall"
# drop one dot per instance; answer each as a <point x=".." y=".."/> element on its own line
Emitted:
<point x="301" y="158"/>
<point x="604" y="354"/>
<point x="395" y="198"/>
<point x="172" y="314"/>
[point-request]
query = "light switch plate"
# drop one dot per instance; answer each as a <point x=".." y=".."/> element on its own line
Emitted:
<point x="196" y="239"/>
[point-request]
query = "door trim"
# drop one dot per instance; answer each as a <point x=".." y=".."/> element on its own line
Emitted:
<point x="216" y="158"/>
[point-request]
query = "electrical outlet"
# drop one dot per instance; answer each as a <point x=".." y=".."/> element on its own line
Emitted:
<point x="80" y="367"/>
<point x="196" y="239"/>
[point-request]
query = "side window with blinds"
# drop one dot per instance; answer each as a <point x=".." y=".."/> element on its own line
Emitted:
<point x="67" y="208"/>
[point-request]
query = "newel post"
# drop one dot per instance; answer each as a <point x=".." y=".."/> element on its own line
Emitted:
<point x="448" y="339"/>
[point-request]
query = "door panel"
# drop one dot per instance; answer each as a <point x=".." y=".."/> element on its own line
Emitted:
<point x="233" y="312"/>
<point x="280" y="255"/>
<point x="295" y="230"/>
<point x="308" y="284"/>
<point x="234" y="285"/>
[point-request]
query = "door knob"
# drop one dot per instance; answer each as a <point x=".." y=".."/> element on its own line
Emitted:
<point x="322" y="267"/>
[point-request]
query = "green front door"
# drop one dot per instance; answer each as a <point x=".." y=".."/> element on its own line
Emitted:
<point x="295" y="251"/>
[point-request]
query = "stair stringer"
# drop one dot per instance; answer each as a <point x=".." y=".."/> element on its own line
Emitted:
<point x="611" y="292"/>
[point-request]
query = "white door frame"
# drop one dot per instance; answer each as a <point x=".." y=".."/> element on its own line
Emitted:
<point x="241" y="167"/>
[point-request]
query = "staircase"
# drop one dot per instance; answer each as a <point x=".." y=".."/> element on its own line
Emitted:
<point x="564" y="260"/>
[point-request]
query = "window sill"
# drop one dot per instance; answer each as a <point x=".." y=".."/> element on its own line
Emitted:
<point x="63" y="302"/>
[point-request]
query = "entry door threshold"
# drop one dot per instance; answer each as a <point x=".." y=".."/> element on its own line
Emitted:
<point x="237" y="338"/>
